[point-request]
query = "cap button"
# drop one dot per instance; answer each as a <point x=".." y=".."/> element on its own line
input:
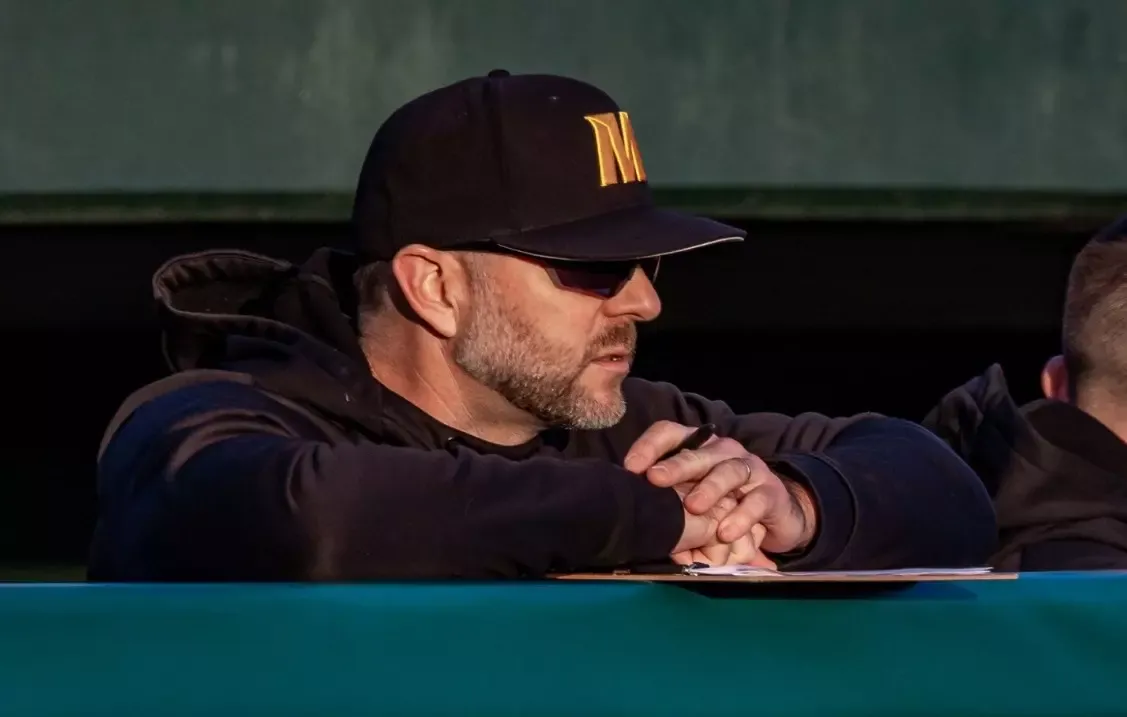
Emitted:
<point x="494" y="74"/>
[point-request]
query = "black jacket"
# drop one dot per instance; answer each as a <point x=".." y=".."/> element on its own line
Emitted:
<point x="272" y="454"/>
<point x="1058" y="476"/>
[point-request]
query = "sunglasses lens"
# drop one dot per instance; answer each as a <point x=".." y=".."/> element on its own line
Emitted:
<point x="604" y="278"/>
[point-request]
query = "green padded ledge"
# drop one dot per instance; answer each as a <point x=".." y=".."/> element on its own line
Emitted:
<point x="1049" y="644"/>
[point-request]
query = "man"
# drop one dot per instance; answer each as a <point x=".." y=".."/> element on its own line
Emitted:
<point x="1057" y="468"/>
<point x="453" y="401"/>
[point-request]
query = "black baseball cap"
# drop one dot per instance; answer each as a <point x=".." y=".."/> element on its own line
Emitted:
<point x="538" y="164"/>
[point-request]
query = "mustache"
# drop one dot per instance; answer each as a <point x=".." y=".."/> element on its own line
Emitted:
<point x="619" y="336"/>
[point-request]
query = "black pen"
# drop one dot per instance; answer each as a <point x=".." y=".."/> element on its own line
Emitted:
<point x="695" y="440"/>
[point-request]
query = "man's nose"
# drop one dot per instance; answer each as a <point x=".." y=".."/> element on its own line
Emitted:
<point x="637" y="299"/>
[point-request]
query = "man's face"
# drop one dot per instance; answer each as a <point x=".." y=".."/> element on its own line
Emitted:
<point x="558" y="354"/>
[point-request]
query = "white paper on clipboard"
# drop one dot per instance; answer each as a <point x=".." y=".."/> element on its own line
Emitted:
<point x="737" y="571"/>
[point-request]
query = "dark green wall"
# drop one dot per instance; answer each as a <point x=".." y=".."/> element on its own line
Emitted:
<point x="283" y="95"/>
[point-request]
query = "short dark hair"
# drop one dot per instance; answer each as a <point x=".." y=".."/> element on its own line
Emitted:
<point x="1094" y="330"/>
<point x="371" y="289"/>
<point x="373" y="283"/>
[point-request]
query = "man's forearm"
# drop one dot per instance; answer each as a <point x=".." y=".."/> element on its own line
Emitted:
<point x="805" y="510"/>
<point x="887" y="494"/>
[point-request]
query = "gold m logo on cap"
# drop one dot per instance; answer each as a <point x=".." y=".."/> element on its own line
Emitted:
<point x="619" y="159"/>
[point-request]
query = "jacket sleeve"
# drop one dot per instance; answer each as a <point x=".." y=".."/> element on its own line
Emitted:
<point x="1072" y="554"/>
<point x="191" y="492"/>
<point x="888" y="493"/>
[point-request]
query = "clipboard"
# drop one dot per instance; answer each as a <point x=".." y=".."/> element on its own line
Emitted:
<point x="734" y="575"/>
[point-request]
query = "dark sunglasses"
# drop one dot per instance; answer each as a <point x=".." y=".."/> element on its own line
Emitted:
<point x="600" y="278"/>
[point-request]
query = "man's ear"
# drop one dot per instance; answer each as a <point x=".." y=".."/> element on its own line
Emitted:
<point x="1054" y="380"/>
<point x="433" y="285"/>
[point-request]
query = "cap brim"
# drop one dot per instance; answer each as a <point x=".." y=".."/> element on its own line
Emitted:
<point x="627" y="235"/>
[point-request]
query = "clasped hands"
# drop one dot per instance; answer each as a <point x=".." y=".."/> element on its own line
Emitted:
<point x="736" y="508"/>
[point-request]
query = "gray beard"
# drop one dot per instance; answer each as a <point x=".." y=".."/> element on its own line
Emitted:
<point x="506" y="353"/>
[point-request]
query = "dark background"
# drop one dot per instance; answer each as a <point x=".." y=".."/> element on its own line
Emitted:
<point x="836" y="317"/>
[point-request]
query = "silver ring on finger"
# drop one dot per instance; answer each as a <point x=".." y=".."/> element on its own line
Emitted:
<point x="747" y="466"/>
